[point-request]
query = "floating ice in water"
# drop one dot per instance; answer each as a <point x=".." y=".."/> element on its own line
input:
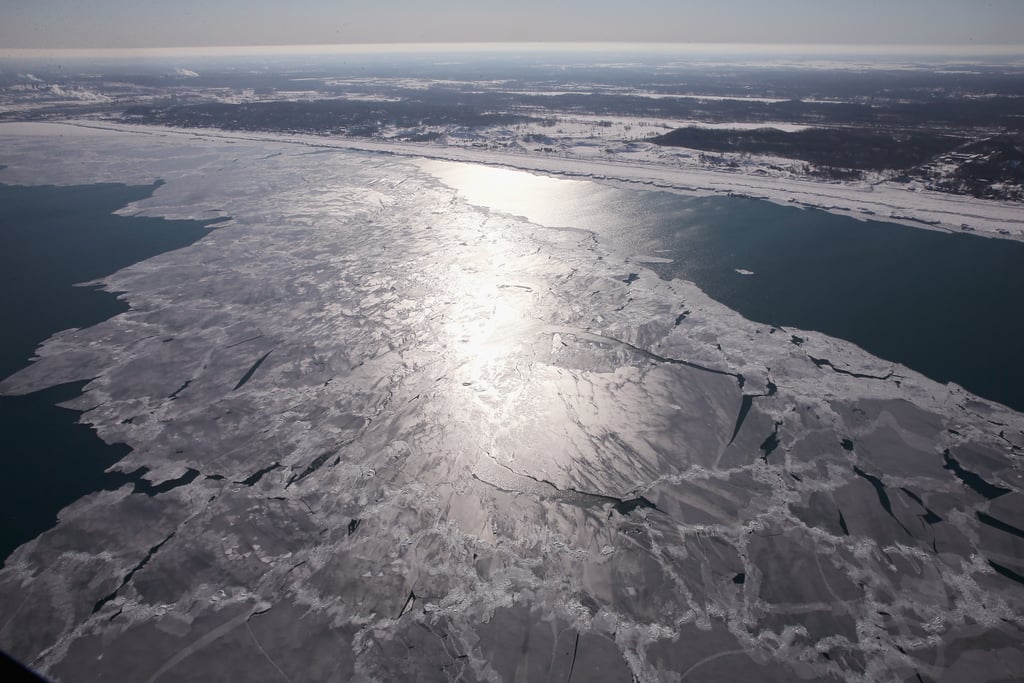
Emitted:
<point x="540" y="454"/>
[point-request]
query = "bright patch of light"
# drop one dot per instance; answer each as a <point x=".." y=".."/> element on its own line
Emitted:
<point x="547" y="201"/>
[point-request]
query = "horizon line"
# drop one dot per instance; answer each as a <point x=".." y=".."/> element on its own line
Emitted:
<point x="887" y="49"/>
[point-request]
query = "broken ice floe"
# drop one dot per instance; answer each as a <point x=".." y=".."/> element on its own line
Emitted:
<point x="622" y="490"/>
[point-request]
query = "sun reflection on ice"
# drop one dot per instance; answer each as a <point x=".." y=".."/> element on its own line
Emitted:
<point x="544" y="200"/>
<point x="492" y="321"/>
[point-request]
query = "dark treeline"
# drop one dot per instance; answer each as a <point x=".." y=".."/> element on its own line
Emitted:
<point x="352" y="117"/>
<point x="848" y="148"/>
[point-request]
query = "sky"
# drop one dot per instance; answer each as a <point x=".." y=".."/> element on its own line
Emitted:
<point x="52" y="24"/>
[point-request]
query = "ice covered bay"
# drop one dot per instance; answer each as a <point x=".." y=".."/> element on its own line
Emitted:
<point x="437" y="440"/>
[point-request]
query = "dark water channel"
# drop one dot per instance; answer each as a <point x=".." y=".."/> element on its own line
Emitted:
<point x="950" y="306"/>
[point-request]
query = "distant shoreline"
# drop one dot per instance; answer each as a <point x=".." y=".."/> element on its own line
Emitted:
<point x="887" y="202"/>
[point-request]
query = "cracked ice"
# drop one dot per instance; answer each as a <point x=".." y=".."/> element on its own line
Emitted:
<point x="436" y="444"/>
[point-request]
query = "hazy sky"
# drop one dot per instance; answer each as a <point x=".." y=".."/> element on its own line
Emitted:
<point x="172" y="23"/>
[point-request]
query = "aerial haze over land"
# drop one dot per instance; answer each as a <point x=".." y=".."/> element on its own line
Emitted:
<point x="53" y="24"/>
<point x="525" y="361"/>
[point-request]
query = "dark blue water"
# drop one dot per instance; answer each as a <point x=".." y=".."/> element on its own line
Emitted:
<point x="54" y="237"/>
<point x="950" y="306"/>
